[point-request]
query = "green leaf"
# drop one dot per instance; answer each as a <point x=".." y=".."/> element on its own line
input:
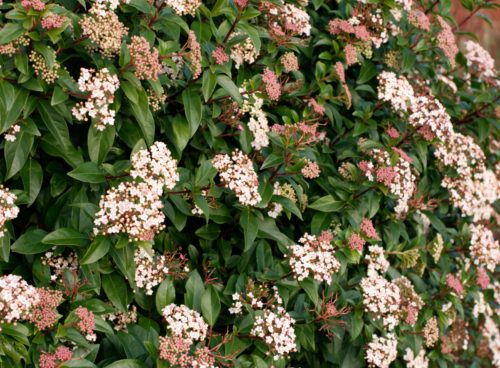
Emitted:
<point x="208" y="84"/>
<point x="5" y="247"/>
<point x="31" y="242"/>
<point x="17" y="152"/>
<point x="326" y="204"/>
<point x="10" y="32"/>
<point x="248" y="223"/>
<point x="88" y="172"/>
<point x="210" y="305"/>
<point x="165" y="294"/>
<point x="228" y="85"/>
<point x="97" y="249"/>
<point x="367" y="72"/>
<point x="144" y="116"/>
<point x="194" y="291"/>
<point x="65" y="236"/>
<point x="311" y="288"/>
<point x="192" y="108"/>
<point x="100" y="142"/>
<point x="127" y="363"/>
<point x="181" y="132"/>
<point x="32" y="177"/>
<point x="78" y="363"/>
<point x="116" y="290"/>
<point x="58" y="96"/>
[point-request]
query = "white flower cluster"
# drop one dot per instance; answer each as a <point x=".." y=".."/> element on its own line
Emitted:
<point x="381" y="298"/>
<point x="314" y="257"/>
<point x="150" y="270"/>
<point x="17" y="298"/>
<point x="395" y="90"/>
<point x="491" y="331"/>
<point x="382" y="351"/>
<point x="243" y="52"/>
<point x="485" y="250"/>
<point x="185" y="323"/>
<point x="110" y="4"/>
<point x="131" y="208"/>
<point x="59" y="264"/>
<point x="418" y="361"/>
<point x="101" y="88"/>
<point x="8" y="209"/>
<point x="237" y="173"/>
<point x="480" y="61"/>
<point x="258" y="124"/>
<point x="481" y="306"/>
<point x="156" y="167"/>
<point x="11" y="134"/>
<point x="428" y="113"/>
<point x="296" y="19"/>
<point x="376" y="259"/>
<point x="184" y="7"/>
<point x="237" y="306"/>
<point x="275" y="208"/>
<point x="120" y="320"/>
<point x="276" y="328"/>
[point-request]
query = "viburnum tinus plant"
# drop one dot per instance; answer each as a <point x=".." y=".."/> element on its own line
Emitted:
<point x="246" y="183"/>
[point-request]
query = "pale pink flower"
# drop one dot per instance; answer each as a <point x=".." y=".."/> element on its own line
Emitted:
<point x="86" y="322"/>
<point x="37" y="5"/>
<point x="220" y="56"/>
<point x="447" y="42"/>
<point x="482" y="278"/>
<point x="317" y="108"/>
<point x="53" y="21"/>
<point x="455" y="284"/>
<point x="356" y="242"/>
<point x="368" y="229"/>
<point x="386" y="175"/>
<point x="146" y="62"/>
<point x="290" y="62"/>
<point x="339" y="69"/>
<point x="311" y="170"/>
<point x="419" y="19"/>
<point x="351" y="54"/>
<point x="393" y="133"/>
<point x="44" y="313"/>
<point x="273" y="87"/>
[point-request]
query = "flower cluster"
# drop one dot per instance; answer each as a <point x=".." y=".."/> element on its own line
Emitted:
<point x="273" y="86"/>
<point x="381" y="351"/>
<point x="395" y="90"/>
<point x="17" y="298"/>
<point x="175" y="351"/>
<point x="418" y="361"/>
<point x="446" y="41"/>
<point x="43" y="314"/>
<point x="381" y="298"/>
<point x="290" y="62"/>
<point x="37" y="5"/>
<point x="411" y="303"/>
<point x="419" y="19"/>
<point x="430" y="117"/>
<point x="455" y="284"/>
<point x="86" y="323"/>
<point x="146" y="62"/>
<point x="155" y="167"/>
<point x="431" y="332"/>
<point x="480" y="62"/>
<point x="53" y="21"/>
<point x="356" y="242"/>
<point x="368" y="229"/>
<point x="220" y="56"/>
<point x="376" y="259"/>
<point x="131" y="208"/>
<point x="257" y="124"/>
<point x="485" y="250"/>
<point x="54" y="360"/>
<point x="103" y="29"/>
<point x="237" y="173"/>
<point x="59" y="264"/>
<point x="184" y="7"/>
<point x="120" y="320"/>
<point x="314" y="257"/>
<point x="310" y="170"/>
<point x="150" y="270"/>
<point x="243" y="52"/>
<point x="11" y="134"/>
<point x="8" y="209"/>
<point x="185" y="323"/>
<point x="194" y="54"/>
<point x="49" y="73"/>
<point x="101" y="88"/>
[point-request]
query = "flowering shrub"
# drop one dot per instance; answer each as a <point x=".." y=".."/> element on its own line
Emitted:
<point x="247" y="183"/>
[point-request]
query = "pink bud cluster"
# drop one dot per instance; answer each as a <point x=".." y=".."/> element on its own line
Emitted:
<point x="419" y="19"/>
<point x="290" y="62"/>
<point x="101" y="88"/>
<point x="315" y="257"/>
<point x="155" y="167"/>
<point x="86" y="323"/>
<point x="43" y="313"/>
<point x="381" y="351"/>
<point x="484" y="249"/>
<point x="446" y="41"/>
<point x="368" y="229"/>
<point x="8" y="209"/>
<point x="455" y="284"/>
<point x="150" y="270"/>
<point x="17" y="298"/>
<point x="54" y="360"/>
<point x="184" y="7"/>
<point x="37" y="5"/>
<point x="146" y="62"/>
<point x="53" y="21"/>
<point x="356" y="242"/>
<point x="185" y="323"/>
<point x="273" y="86"/>
<point x="237" y="173"/>
<point x="194" y="54"/>
<point x="220" y="56"/>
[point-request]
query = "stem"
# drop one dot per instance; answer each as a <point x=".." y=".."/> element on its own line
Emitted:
<point x="471" y="14"/>
<point x="356" y="196"/>
<point x="468" y="117"/>
<point x="74" y="43"/>
<point x="432" y="6"/>
<point x="233" y="26"/>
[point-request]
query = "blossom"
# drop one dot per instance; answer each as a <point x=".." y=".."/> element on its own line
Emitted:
<point x="418" y="361"/>
<point x="8" y="209"/>
<point x="290" y="62"/>
<point x="104" y="30"/>
<point x="17" y="298"/>
<point x="59" y="264"/>
<point x="356" y="242"/>
<point x="220" y="56"/>
<point x="243" y="52"/>
<point x="11" y="134"/>
<point x="295" y="20"/>
<point x="317" y="107"/>
<point x="258" y="123"/>
<point x="395" y="90"/>
<point x="131" y="208"/>
<point x="276" y="328"/>
<point x="485" y="250"/>
<point x="150" y="270"/>
<point x="175" y="350"/>
<point x="54" y="360"/>
<point x="194" y="54"/>
<point x="53" y="21"/>
<point x="314" y="257"/>
<point x="273" y="87"/>
<point x="156" y="167"/>
<point x="428" y="112"/>
<point x="482" y="278"/>
<point x="237" y="173"/>
<point x="184" y="7"/>
<point x="146" y="62"/>
<point x="368" y="229"/>
<point x="351" y="54"/>
<point x="419" y="19"/>
<point x="37" y="5"/>
<point x="446" y="41"/>
<point x="431" y="332"/>
<point x="43" y="313"/>
<point x="381" y="351"/>
<point x="101" y="88"/>
<point x="310" y="170"/>
<point x="376" y="259"/>
<point x="86" y="323"/>
<point x="42" y="69"/>
<point x="480" y="62"/>
<point x="120" y="320"/>
<point x="455" y="284"/>
<point x="185" y="323"/>
<point x="411" y="303"/>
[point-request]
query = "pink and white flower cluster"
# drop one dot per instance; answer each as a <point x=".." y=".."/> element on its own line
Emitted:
<point x="185" y="323"/>
<point x="258" y="123"/>
<point x="59" y="264"/>
<point x="484" y="249"/>
<point x="480" y="62"/>
<point x="8" y="209"/>
<point x="415" y="361"/>
<point x="382" y="351"/>
<point x="101" y="88"/>
<point x="86" y="323"/>
<point x="150" y="270"/>
<point x="314" y="257"/>
<point x="17" y="298"/>
<point x="237" y="173"/>
<point x="184" y="7"/>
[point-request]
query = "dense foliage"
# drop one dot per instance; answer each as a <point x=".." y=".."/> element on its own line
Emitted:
<point x="247" y="183"/>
